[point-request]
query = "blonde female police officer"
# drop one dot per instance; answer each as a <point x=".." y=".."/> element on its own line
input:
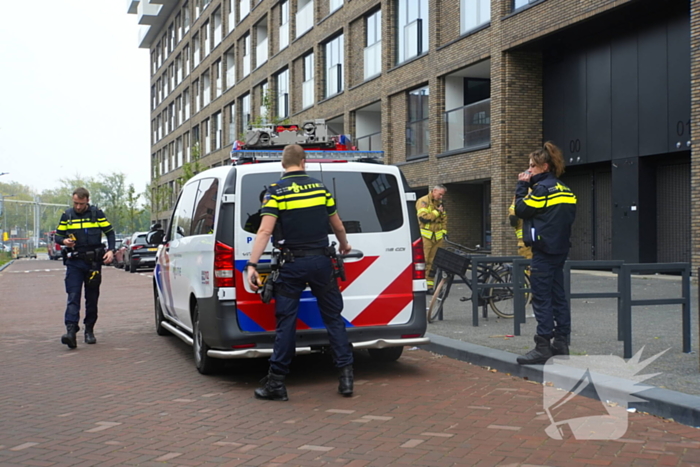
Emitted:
<point x="548" y="211"/>
<point x="303" y="207"/>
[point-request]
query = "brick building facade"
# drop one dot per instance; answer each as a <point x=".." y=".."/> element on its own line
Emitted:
<point x="456" y="92"/>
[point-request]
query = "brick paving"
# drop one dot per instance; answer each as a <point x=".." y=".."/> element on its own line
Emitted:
<point x="136" y="399"/>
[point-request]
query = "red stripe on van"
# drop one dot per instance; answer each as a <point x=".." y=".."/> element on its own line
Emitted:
<point x="355" y="269"/>
<point x="389" y="303"/>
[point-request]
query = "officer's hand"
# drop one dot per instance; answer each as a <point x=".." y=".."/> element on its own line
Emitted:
<point x="68" y="242"/>
<point x="108" y="257"/>
<point x="524" y="176"/>
<point x="344" y="249"/>
<point x="253" y="278"/>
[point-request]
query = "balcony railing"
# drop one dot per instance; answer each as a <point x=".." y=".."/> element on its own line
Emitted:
<point x="469" y="126"/>
<point x="417" y="138"/>
<point x="373" y="59"/>
<point x="371" y="142"/>
<point x="261" y="53"/>
<point x="307" y="90"/>
<point x="284" y="35"/>
<point x="305" y="19"/>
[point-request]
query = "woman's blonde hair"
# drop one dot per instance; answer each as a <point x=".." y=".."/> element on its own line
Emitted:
<point x="551" y="155"/>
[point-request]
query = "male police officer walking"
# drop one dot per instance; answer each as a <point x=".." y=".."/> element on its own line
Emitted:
<point x="80" y="230"/>
<point x="303" y="207"/>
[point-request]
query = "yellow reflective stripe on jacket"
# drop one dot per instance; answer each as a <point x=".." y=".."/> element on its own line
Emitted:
<point x="439" y="234"/>
<point x="562" y="198"/>
<point x="426" y="233"/>
<point x="77" y="224"/>
<point x="519" y="233"/>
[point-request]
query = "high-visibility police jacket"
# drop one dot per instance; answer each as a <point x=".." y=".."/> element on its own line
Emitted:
<point x="548" y="212"/>
<point x="87" y="227"/>
<point x="433" y="223"/>
<point x="302" y="206"/>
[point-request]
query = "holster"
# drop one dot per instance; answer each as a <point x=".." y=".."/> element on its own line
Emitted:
<point x="94" y="277"/>
<point x="268" y="290"/>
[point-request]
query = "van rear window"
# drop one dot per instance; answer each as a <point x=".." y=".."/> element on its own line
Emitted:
<point x="367" y="202"/>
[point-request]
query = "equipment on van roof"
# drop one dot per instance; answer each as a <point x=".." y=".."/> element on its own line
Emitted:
<point x="265" y="144"/>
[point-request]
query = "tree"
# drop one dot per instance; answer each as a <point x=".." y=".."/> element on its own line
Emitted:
<point x="191" y="167"/>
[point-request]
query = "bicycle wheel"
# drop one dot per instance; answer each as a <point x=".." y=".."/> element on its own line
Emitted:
<point x="501" y="298"/>
<point x="439" y="296"/>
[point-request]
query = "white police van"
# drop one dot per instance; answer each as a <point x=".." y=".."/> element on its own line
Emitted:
<point x="202" y="296"/>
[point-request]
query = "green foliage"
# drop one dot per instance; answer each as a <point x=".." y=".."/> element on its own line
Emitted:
<point x="191" y="167"/>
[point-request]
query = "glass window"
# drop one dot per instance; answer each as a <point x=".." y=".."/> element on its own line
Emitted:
<point x="335" y="4"/>
<point x="474" y="13"/>
<point x="521" y="3"/>
<point x="205" y="207"/>
<point x="217" y="27"/>
<point x="230" y="68"/>
<point x="244" y="8"/>
<point x="283" y="94"/>
<point x="182" y="215"/>
<point x="308" y="97"/>
<point x="334" y="66"/>
<point x="417" y="127"/>
<point x="284" y="24"/>
<point x="232" y="123"/>
<point x="304" y="16"/>
<point x="245" y="110"/>
<point x="231" y="14"/>
<point x="373" y="46"/>
<point x="206" y="88"/>
<point x="412" y="29"/>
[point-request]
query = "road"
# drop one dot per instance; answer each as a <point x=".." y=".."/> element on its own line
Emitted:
<point x="136" y="399"/>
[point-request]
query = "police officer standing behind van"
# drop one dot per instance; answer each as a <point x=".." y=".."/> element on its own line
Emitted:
<point x="303" y="208"/>
<point x="80" y="231"/>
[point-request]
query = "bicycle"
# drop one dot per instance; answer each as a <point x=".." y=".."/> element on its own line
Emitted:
<point x="455" y="261"/>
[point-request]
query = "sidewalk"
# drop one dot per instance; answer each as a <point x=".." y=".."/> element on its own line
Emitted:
<point x="594" y="332"/>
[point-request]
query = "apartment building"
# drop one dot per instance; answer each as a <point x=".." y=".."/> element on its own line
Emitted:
<point x="456" y="92"/>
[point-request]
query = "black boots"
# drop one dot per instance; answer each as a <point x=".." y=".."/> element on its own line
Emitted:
<point x="539" y="355"/>
<point x="69" y="337"/>
<point x="273" y="388"/>
<point x="560" y="346"/>
<point x="90" y="334"/>
<point x="345" y="380"/>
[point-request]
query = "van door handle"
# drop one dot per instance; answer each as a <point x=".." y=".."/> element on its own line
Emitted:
<point x="353" y="254"/>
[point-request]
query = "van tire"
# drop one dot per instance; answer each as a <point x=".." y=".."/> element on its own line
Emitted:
<point x="204" y="363"/>
<point x="160" y="330"/>
<point x="388" y="354"/>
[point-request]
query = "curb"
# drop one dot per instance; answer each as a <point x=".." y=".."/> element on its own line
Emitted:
<point x="682" y="408"/>
<point x="6" y="264"/>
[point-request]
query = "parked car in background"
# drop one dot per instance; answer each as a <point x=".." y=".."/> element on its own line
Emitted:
<point x="52" y="248"/>
<point x="140" y="254"/>
<point x="120" y="255"/>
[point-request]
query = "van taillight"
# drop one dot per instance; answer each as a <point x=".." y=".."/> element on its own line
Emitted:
<point x="223" y="266"/>
<point x="418" y="259"/>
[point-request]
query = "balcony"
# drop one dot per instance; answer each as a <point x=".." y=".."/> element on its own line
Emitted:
<point x="152" y="16"/>
<point x="261" y="53"/>
<point x="468" y="127"/>
<point x="373" y="60"/>
<point x="305" y="19"/>
<point x="371" y="142"/>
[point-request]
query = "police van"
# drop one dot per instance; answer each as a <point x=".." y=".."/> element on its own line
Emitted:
<point x="202" y="295"/>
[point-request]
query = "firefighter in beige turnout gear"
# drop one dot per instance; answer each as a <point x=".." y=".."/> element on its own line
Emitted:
<point x="433" y="227"/>
<point x="517" y="224"/>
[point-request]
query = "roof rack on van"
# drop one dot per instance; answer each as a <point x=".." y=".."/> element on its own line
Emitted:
<point x="250" y="156"/>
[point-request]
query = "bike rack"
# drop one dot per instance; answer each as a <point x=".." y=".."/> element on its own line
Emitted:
<point x="625" y="286"/>
<point x="478" y="287"/>
<point x="520" y="264"/>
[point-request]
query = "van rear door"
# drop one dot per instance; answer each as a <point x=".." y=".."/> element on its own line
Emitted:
<point x="371" y="203"/>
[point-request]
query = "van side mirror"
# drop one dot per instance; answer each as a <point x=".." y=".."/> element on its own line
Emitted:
<point x="155" y="237"/>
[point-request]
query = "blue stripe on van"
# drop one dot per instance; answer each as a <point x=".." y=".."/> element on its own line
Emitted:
<point x="246" y="324"/>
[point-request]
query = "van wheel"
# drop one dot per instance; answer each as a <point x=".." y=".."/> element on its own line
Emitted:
<point x="389" y="354"/>
<point x="204" y="363"/>
<point x="160" y="330"/>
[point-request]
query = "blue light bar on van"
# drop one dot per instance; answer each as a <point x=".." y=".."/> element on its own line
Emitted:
<point x="251" y="156"/>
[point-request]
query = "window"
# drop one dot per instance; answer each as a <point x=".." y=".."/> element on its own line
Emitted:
<point x="182" y="216"/>
<point x="178" y="70"/>
<point x="179" y="34"/>
<point x="171" y="38"/>
<point x="284" y="24"/>
<point x="180" y="110"/>
<point x="305" y="16"/>
<point x="206" y="135"/>
<point x="186" y="144"/>
<point x="230" y="68"/>
<point x="206" y="38"/>
<point x="245" y="46"/>
<point x="263" y="96"/>
<point x="474" y="13"/>
<point x="205" y="206"/>
<point x="206" y="88"/>
<point x="334" y="66"/>
<point x="166" y="160"/>
<point x="283" y="95"/>
<point x="178" y="145"/>
<point x="261" y="41"/>
<point x="244" y="9"/>
<point x="197" y="96"/>
<point x="154" y="97"/>
<point x="335" y="4"/>
<point x="159" y="57"/>
<point x="217" y="27"/>
<point x="412" y="29"/>
<point x="186" y="17"/>
<point x="373" y="49"/>
<point x="218" y="133"/>
<point x="171" y="116"/>
<point x="232" y="135"/>
<point x="245" y="110"/>
<point x="521" y="3"/>
<point x="186" y="54"/>
<point x="196" y="45"/>
<point x="219" y="79"/>
<point x="231" y="14"/>
<point x="417" y="130"/>
<point x="154" y="129"/>
<point x="171" y="72"/>
<point x="166" y="88"/>
<point x="159" y="125"/>
<point x="308" y="85"/>
<point x="186" y="103"/>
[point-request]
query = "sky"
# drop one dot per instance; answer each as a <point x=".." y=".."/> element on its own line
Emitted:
<point x="74" y="93"/>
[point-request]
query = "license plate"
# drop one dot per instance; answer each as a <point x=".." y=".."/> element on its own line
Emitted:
<point x="153" y="249"/>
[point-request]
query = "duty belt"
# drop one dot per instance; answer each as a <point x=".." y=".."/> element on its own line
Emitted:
<point x="312" y="252"/>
